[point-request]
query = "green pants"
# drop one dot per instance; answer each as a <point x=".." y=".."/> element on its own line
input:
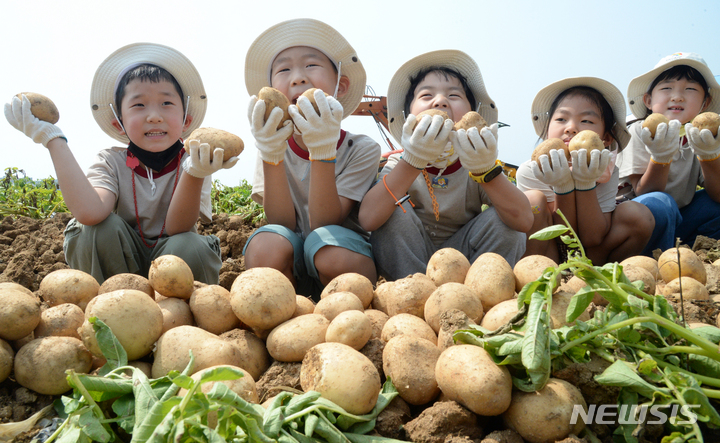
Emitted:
<point x="113" y="247"/>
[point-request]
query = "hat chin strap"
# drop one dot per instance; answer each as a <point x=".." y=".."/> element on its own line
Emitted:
<point x="187" y="104"/>
<point x="337" y="84"/>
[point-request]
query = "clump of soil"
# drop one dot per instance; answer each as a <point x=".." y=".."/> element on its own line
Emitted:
<point x="277" y="378"/>
<point x="444" y="420"/>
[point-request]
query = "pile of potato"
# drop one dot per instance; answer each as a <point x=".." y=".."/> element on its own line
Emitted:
<point x="161" y="318"/>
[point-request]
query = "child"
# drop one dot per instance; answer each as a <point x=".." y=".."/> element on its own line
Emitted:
<point x="143" y="201"/>
<point x="447" y="183"/>
<point x="664" y="171"/>
<point x="584" y="193"/>
<point x="309" y="191"/>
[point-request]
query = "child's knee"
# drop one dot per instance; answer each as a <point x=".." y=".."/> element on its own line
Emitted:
<point x="267" y="249"/>
<point x="331" y="261"/>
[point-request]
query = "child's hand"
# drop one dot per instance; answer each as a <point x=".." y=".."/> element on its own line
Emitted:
<point x="666" y="143"/>
<point x="424" y="144"/>
<point x="320" y="133"/>
<point x="198" y="163"/>
<point x="586" y="175"/>
<point x="477" y="150"/>
<point x="703" y="144"/>
<point x="18" y="114"/>
<point x="558" y="176"/>
<point x="270" y="141"/>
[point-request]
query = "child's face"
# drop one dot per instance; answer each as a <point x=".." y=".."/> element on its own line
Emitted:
<point x="297" y="69"/>
<point x="576" y="113"/>
<point x="152" y="114"/>
<point x="677" y="99"/>
<point x="445" y="94"/>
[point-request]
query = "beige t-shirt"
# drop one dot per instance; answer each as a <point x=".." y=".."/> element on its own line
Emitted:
<point x="110" y="172"/>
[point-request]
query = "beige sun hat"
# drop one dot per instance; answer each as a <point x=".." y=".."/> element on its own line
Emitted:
<point x="544" y="99"/>
<point x="314" y="34"/>
<point x="450" y="58"/>
<point x="110" y="71"/>
<point x="641" y="84"/>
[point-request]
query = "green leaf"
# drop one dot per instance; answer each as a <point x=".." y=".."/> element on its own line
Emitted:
<point x="710" y="333"/>
<point x="549" y="233"/>
<point x="92" y="427"/>
<point x="621" y="374"/>
<point x="579" y="303"/>
<point x="109" y="345"/>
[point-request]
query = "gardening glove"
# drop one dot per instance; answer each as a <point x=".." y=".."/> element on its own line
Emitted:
<point x="702" y="142"/>
<point x="477" y="150"/>
<point x="270" y="141"/>
<point x="558" y="176"/>
<point x="586" y="176"/>
<point x="198" y="163"/>
<point x="320" y="133"/>
<point x="427" y="141"/>
<point x="665" y="145"/>
<point x="18" y="114"/>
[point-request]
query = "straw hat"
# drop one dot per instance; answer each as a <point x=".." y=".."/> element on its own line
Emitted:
<point x="641" y="84"/>
<point x="111" y="70"/>
<point x="305" y="32"/>
<point x="544" y="99"/>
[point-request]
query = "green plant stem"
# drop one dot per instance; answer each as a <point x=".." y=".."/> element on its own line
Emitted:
<point x="567" y="223"/>
<point x="701" y="378"/>
<point x="679" y="397"/>
<point x="672" y="350"/>
<point x="604" y="330"/>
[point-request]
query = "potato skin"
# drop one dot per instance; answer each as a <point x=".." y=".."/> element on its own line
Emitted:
<point x="353" y="282"/>
<point x="452" y="296"/>
<point x="262" y="298"/>
<point x="42" y="107"/>
<point x="410" y="363"/>
<point x="61" y="320"/>
<point x="492" y="278"/>
<point x="68" y="286"/>
<point x="337" y="302"/>
<point x="274" y="99"/>
<point x="290" y="341"/>
<point x="500" y="314"/>
<point x="171" y="276"/>
<point x="127" y="281"/>
<point x="407" y="324"/>
<point x="652" y="121"/>
<point x="352" y="328"/>
<point x="530" y="268"/>
<point x="545" y="147"/>
<point x="588" y="140"/>
<point x="707" y="120"/>
<point x="447" y="265"/>
<point x="40" y="365"/>
<point x="231" y="144"/>
<point x="7" y="356"/>
<point x="470" y="120"/>
<point x="253" y="352"/>
<point x="19" y="314"/>
<point x="211" y="308"/>
<point x="690" y="264"/>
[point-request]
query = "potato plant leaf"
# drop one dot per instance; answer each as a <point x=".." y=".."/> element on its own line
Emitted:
<point x="621" y="374"/>
<point x="109" y="345"/>
<point x="579" y="303"/>
<point x="549" y="233"/>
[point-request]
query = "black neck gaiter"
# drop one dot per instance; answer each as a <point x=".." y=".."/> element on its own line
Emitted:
<point x="156" y="160"/>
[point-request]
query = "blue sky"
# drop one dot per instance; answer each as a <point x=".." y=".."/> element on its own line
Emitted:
<point x="54" y="48"/>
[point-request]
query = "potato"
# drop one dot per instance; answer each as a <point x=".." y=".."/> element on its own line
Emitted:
<point x="575" y="284"/>
<point x="175" y="312"/>
<point x="447" y="265"/>
<point x="410" y="363"/>
<point x="468" y="375"/>
<point x="353" y="282"/>
<point x="290" y="340"/>
<point x="310" y="95"/>
<point x="68" y="286"/>
<point x="16" y="286"/>
<point x="452" y="321"/>
<point x="211" y="309"/>
<point x="409" y="294"/>
<point x="560" y="303"/>
<point x="171" y="276"/>
<point x="470" y="120"/>
<point x="377" y="320"/>
<point x="60" y="321"/>
<point x="647" y="263"/>
<point x="352" y="328"/>
<point x="544" y="416"/>
<point x="342" y="375"/>
<point x="144" y="366"/>
<point x="452" y="296"/>
<point x="134" y="318"/>
<point x="500" y="314"/>
<point x="381" y="295"/>
<point x="337" y="302"/>
<point x="407" y="324"/>
<point x="262" y="298"/>
<point x="707" y="120"/>
<point x="231" y="144"/>
<point x="636" y="273"/>
<point x="546" y="146"/>
<point x="531" y="268"/>
<point x="691" y="289"/>
<point x="41" y="364"/>
<point x="243" y="386"/>
<point x="42" y="107"/>
<point x="19" y="314"/>
<point x="305" y="305"/>
<point x="652" y="121"/>
<point x="274" y="99"/>
<point x="431" y="113"/>
<point x="127" y="281"/>
<point x="253" y="353"/>
<point x="492" y="279"/>
<point x="7" y="356"/>
<point x="588" y="140"/>
<point x="690" y="264"/>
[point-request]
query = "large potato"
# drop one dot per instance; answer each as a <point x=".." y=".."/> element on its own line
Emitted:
<point x="531" y="268"/>
<point x="253" y="353"/>
<point x="243" y="386"/>
<point x="560" y="304"/>
<point x="171" y="276"/>
<point x="61" y="321"/>
<point x="40" y="365"/>
<point x="262" y="298"/>
<point x="19" y="314"/>
<point x="68" y="286"/>
<point x="274" y="99"/>
<point x="707" y="120"/>
<point x="42" y="107"/>
<point x="342" y="375"/>
<point x="642" y="261"/>
<point x="410" y="363"/>
<point x="407" y="324"/>
<point x="691" y="289"/>
<point x="636" y="273"/>
<point x="6" y="359"/>
<point x="470" y="120"/>
<point x="545" y="147"/>
<point x="134" y="318"/>
<point x="690" y="264"/>
<point x="305" y="305"/>
<point x="447" y="265"/>
<point x="337" y="302"/>
<point x="381" y="295"/>
<point x="352" y="328"/>
<point x="231" y="144"/>
<point x="588" y="140"/>
<point x="11" y="285"/>
<point x="492" y="279"/>
<point x="127" y="281"/>
<point x="500" y="314"/>
<point x="544" y="416"/>
<point x="452" y="296"/>
<point x="290" y="340"/>
<point x="211" y="308"/>
<point x="353" y="282"/>
<point x="175" y="312"/>
<point x="468" y="375"/>
<point x="409" y="294"/>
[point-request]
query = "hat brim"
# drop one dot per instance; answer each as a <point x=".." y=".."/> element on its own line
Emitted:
<point x="641" y="84"/>
<point x="454" y="59"/>
<point x="544" y="99"/>
<point x="312" y="33"/>
<point x="102" y="93"/>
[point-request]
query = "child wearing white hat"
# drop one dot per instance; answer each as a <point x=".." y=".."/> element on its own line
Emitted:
<point x="142" y="201"/>
<point x="310" y="174"/>
<point x="663" y="172"/>
<point x="432" y="195"/>
<point x="584" y="191"/>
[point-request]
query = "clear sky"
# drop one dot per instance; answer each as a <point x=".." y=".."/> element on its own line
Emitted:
<point x="54" y="47"/>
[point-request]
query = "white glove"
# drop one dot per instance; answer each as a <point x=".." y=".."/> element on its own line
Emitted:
<point x="666" y="143"/>
<point x="425" y="143"/>
<point x="270" y="141"/>
<point x="477" y="150"/>
<point x="558" y="176"/>
<point x="703" y="144"/>
<point x="198" y="163"/>
<point x="19" y="115"/>
<point x="586" y="176"/>
<point x="320" y="133"/>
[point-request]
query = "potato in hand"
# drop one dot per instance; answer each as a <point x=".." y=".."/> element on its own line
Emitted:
<point x="41" y="107"/>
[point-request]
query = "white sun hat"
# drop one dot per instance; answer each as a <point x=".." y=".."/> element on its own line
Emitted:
<point x="111" y="70"/>
<point x="641" y="84"/>
<point x="314" y="34"/>
<point x="545" y="98"/>
<point x="447" y="58"/>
